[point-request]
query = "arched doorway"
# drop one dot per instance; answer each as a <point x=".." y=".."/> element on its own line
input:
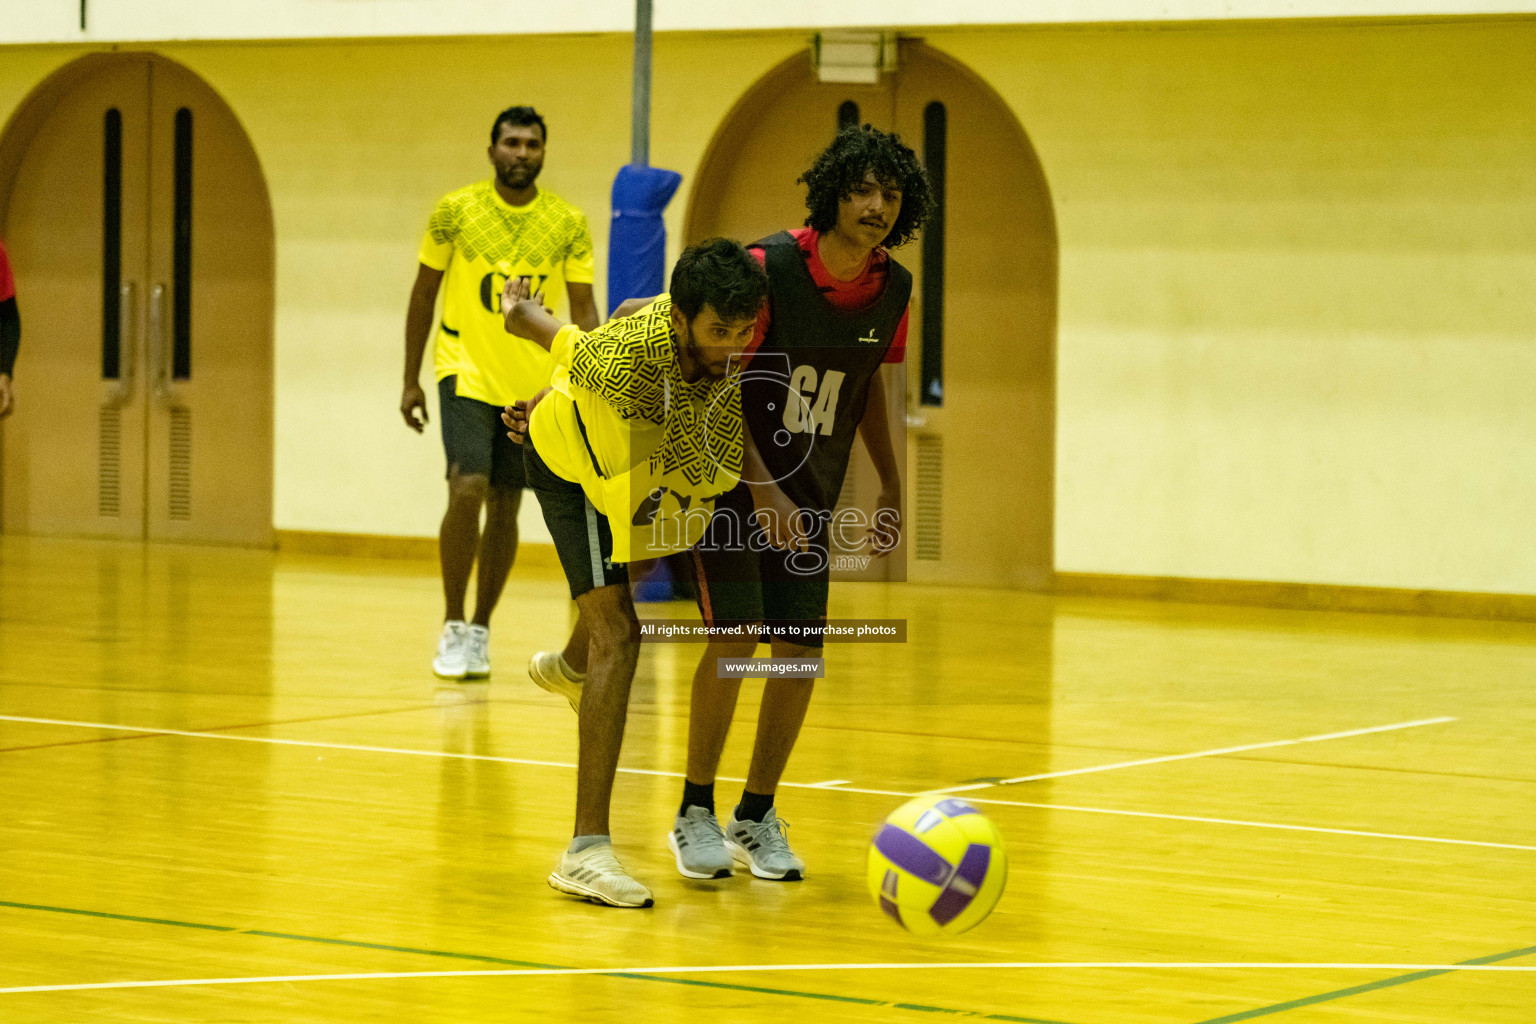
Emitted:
<point x="981" y="429"/>
<point x="136" y="216"/>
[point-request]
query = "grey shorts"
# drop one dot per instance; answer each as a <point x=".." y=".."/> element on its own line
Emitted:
<point x="475" y="440"/>
<point x="581" y="533"/>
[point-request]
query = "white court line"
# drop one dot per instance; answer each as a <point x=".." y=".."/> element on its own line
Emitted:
<point x="1255" y="824"/>
<point x="1189" y="817"/>
<point x="790" y="785"/>
<point x="828" y="784"/>
<point x="969" y="787"/>
<point x="535" y="972"/>
<point x="319" y="745"/>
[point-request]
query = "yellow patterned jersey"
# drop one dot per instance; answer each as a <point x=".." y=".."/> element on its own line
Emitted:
<point x="651" y="450"/>
<point x="481" y="240"/>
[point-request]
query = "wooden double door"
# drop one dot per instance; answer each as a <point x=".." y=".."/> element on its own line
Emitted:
<point x="138" y="224"/>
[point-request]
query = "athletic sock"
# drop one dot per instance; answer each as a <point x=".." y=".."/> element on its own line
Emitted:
<point x="754" y="806"/>
<point x="583" y="842"/>
<point x="696" y="795"/>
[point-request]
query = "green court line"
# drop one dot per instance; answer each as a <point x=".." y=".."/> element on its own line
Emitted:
<point x="401" y="949"/>
<point x="118" y="917"/>
<point x="480" y="958"/>
<point x="1355" y="990"/>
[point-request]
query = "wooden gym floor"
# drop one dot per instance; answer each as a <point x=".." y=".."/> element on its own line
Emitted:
<point x="233" y="792"/>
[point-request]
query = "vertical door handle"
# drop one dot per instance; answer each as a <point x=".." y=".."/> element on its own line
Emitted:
<point x="159" y="344"/>
<point x="127" y="307"/>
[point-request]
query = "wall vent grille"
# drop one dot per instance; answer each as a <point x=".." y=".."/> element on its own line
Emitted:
<point x="930" y="499"/>
<point x="109" y="463"/>
<point x="181" y="464"/>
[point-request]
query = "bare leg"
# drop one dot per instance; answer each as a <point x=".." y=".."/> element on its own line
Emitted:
<point x="459" y="537"/>
<point x="498" y="549"/>
<point x="609" y="613"/>
<point x="779" y="721"/>
<point x="575" y="653"/>
<point x="710" y="710"/>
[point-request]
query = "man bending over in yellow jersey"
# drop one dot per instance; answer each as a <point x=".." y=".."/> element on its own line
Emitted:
<point x="482" y="236"/>
<point x="639" y="434"/>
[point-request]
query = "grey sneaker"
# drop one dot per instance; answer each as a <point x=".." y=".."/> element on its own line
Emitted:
<point x="477" y="652"/>
<point x="595" y="874"/>
<point x="761" y="846"/>
<point x="546" y="670"/>
<point x="699" y="845"/>
<point x="449" y="663"/>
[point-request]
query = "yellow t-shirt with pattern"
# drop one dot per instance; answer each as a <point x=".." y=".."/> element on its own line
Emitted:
<point x="481" y="240"/>
<point x="657" y="450"/>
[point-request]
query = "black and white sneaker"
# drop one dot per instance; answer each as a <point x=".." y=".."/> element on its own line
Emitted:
<point x="699" y="845"/>
<point x="762" y="846"/>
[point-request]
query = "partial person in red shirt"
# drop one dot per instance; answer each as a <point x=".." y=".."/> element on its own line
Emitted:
<point x="10" y="333"/>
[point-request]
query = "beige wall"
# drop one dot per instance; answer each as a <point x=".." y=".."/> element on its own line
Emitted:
<point x="1298" y="332"/>
<point x="1296" y="324"/>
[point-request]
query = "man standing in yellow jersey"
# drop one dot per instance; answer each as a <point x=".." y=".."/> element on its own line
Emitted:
<point x="481" y="236"/>
<point x="627" y="453"/>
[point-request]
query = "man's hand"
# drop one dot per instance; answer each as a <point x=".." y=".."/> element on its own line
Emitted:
<point x="7" y="403"/>
<point x="524" y="315"/>
<point x="885" y="534"/>
<point x="518" y="290"/>
<point x="780" y="518"/>
<point x="412" y="401"/>
<point x="517" y="415"/>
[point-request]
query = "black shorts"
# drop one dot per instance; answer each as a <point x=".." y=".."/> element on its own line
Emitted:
<point x="581" y="534"/>
<point x="475" y="440"/>
<point x="741" y="578"/>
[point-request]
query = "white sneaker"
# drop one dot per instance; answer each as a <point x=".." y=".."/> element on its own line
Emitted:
<point x="547" y="669"/>
<point x="477" y="652"/>
<point x="450" y="663"/>
<point x="596" y="874"/>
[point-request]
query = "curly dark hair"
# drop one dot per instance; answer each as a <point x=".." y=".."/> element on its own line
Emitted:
<point x="854" y="153"/>
<point x="718" y="273"/>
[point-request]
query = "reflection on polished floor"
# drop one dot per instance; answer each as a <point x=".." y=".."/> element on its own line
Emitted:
<point x="224" y="765"/>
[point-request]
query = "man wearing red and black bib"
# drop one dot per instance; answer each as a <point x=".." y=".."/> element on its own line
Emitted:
<point x="837" y="311"/>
